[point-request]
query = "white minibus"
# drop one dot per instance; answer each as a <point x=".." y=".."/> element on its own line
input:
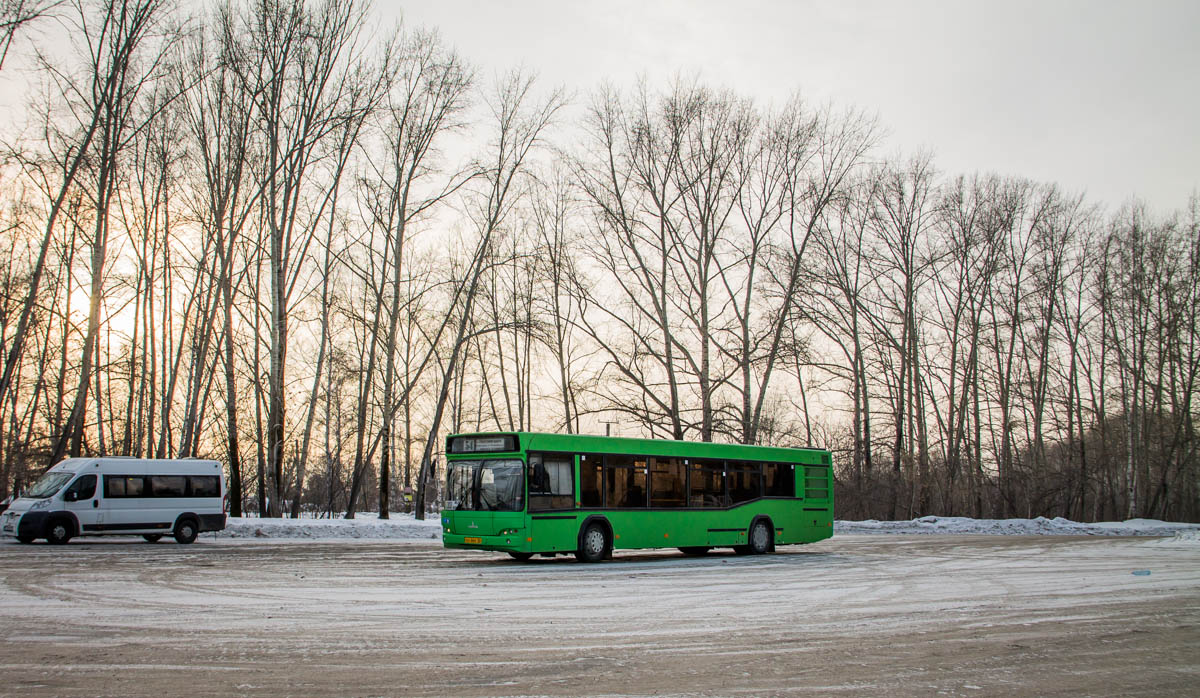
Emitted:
<point x="120" y="496"/>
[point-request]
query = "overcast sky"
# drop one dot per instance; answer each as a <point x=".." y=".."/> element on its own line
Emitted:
<point x="1100" y="97"/>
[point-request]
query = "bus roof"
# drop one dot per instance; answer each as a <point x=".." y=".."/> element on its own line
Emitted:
<point x="585" y="443"/>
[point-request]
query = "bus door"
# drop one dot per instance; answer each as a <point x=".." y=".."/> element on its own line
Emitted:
<point x="553" y="521"/>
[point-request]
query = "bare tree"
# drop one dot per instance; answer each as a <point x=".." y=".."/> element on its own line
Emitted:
<point x="16" y="15"/>
<point x="309" y="77"/>
<point x="820" y="154"/>
<point x="552" y="212"/>
<point x="426" y="104"/>
<point x="520" y="123"/>
<point x="125" y="55"/>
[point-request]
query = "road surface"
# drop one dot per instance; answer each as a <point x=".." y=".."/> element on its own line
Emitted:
<point x="855" y="615"/>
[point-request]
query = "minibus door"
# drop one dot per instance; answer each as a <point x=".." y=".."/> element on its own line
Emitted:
<point x="80" y="499"/>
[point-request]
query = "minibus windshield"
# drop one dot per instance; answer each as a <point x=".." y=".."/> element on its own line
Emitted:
<point x="48" y="484"/>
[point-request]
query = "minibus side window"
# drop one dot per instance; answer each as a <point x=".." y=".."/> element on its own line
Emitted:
<point x="168" y="485"/>
<point x="123" y="486"/>
<point x="204" y="486"/>
<point x="82" y="489"/>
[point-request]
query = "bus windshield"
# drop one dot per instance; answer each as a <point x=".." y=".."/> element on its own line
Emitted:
<point x="485" y="485"/>
<point x="48" y="484"/>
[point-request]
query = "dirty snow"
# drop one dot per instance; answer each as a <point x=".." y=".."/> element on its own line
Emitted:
<point x="365" y="525"/>
<point x="405" y="527"/>
<point x="1040" y="526"/>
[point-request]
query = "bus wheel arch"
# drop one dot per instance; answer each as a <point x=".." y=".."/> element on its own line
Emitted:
<point x="187" y="527"/>
<point x="595" y="539"/>
<point x="760" y="537"/>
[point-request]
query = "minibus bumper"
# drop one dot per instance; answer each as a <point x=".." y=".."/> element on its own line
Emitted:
<point x="29" y="523"/>
<point x="212" y="522"/>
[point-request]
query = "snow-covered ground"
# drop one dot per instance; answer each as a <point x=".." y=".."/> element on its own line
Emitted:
<point x="405" y="527"/>
<point x="874" y="615"/>
<point x="1040" y="526"/>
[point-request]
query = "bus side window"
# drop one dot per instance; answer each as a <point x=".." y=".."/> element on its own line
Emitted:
<point x="589" y="481"/>
<point x="780" y="480"/>
<point x="551" y="483"/>
<point x="667" y="476"/>
<point x="707" y="485"/>
<point x="624" y="481"/>
<point x="745" y="481"/>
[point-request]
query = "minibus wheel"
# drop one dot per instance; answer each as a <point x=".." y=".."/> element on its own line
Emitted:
<point x="25" y="538"/>
<point x="58" y="531"/>
<point x="152" y="537"/>
<point x="186" y="530"/>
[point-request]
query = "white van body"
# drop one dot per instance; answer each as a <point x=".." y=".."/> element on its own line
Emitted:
<point x="120" y="496"/>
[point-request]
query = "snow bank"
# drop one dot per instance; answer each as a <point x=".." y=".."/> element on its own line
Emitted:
<point x="1189" y="536"/>
<point x="370" y="526"/>
<point x="404" y="527"/>
<point x="1040" y="526"/>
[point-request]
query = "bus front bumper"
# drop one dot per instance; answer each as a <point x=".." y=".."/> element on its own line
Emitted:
<point x="514" y="542"/>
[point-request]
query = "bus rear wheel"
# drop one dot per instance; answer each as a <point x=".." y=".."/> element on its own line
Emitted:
<point x="760" y="538"/>
<point x="694" y="550"/>
<point x="593" y="544"/>
<point x="523" y="557"/>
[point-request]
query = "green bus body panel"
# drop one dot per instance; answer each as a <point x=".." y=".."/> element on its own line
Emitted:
<point x="795" y="520"/>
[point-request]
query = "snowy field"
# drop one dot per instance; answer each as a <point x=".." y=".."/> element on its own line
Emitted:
<point x="374" y="607"/>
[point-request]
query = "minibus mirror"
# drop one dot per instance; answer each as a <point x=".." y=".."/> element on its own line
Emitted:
<point x="70" y="496"/>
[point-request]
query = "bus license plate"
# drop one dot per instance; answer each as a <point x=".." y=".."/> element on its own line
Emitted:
<point x="469" y="540"/>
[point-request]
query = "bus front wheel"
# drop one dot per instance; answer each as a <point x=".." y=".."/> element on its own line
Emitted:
<point x="523" y="557"/>
<point x="593" y="544"/>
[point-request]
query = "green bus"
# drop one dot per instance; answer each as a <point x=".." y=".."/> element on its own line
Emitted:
<point x="532" y="494"/>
